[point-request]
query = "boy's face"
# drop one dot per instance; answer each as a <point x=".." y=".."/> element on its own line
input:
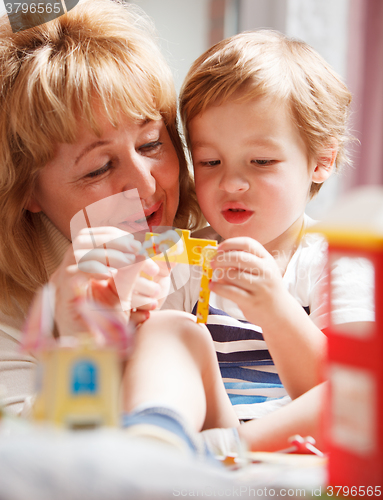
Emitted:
<point x="252" y="171"/>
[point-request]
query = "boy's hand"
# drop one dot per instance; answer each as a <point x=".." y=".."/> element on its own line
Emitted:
<point x="247" y="274"/>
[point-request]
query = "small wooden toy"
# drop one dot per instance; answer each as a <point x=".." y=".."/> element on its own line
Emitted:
<point x="353" y="420"/>
<point x="194" y="251"/>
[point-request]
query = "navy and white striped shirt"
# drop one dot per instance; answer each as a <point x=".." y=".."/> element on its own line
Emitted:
<point x="246" y="366"/>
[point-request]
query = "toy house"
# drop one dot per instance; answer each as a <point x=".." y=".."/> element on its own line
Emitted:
<point x="78" y="377"/>
<point x="353" y="419"/>
<point x="78" y="386"/>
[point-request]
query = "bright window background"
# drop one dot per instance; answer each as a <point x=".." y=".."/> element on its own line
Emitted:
<point x="188" y="28"/>
<point x="347" y="33"/>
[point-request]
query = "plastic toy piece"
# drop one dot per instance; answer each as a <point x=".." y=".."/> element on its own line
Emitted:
<point x="195" y="252"/>
<point x="208" y="253"/>
<point x="168" y="242"/>
<point x="192" y="248"/>
<point x="303" y="446"/>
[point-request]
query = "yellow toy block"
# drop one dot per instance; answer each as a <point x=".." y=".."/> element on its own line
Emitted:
<point x="189" y="254"/>
<point x="194" y="251"/>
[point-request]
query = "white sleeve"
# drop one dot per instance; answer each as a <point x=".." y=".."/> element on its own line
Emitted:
<point x="352" y="290"/>
<point x="352" y="293"/>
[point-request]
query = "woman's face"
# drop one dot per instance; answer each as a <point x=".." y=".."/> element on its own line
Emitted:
<point x="136" y="155"/>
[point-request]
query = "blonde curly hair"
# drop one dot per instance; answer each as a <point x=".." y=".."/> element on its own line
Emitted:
<point x="49" y="76"/>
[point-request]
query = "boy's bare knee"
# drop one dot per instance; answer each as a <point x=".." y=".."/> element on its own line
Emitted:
<point x="177" y="324"/>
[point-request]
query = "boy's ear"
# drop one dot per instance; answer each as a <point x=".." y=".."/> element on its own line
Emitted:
<point x="325" y="162"/>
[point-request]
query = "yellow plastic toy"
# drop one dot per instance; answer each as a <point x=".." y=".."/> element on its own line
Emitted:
<point x="208" y="254"/>
<point x="194" y="251"/>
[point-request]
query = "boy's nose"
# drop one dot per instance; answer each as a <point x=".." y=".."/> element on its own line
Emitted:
<point x="233" y="182"/>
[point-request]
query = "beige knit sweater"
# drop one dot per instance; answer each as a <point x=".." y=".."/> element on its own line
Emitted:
<point x="17" y="368"/>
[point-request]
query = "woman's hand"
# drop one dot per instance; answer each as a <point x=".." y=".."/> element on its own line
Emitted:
<point x="150" y="289"/>
<point x="91" y="266"/>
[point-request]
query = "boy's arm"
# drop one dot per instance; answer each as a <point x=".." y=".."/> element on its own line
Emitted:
<point x="296" y="345"/>
<point x="249" y="275"/>
<point x="302" y="416"/>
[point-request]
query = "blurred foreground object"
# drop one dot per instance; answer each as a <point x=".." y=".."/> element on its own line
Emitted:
<point x="353" y="422"/>
<point x="78" y="378"/>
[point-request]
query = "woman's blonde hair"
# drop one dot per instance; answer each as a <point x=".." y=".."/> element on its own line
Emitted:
<point x="267" y="63"/>
<point x="49" y="76"/>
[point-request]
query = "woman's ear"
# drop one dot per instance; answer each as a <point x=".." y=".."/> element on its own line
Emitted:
<point x="33" y="205"/>
<point x="325" y="162"/>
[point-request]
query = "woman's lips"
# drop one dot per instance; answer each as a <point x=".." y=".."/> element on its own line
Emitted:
<point x="154" y="218"/>
<point x="237" y="215"/>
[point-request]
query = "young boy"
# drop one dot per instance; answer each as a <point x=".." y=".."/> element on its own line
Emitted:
<point x="266" y="122"/>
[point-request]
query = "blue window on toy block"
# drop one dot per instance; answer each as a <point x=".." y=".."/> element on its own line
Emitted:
<point x="84" y="378"/>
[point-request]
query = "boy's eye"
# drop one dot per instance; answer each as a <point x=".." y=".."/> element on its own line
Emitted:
<point x="211" y="163"/>
<point x="100" y="171"/>
<point x="262" y="162"/>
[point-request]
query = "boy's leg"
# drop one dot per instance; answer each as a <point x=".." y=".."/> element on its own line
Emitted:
<point x="174" y="363"/>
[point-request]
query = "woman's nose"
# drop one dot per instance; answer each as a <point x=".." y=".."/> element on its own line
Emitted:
<point x="233" y="182"/>
<point x="138" y="174"/>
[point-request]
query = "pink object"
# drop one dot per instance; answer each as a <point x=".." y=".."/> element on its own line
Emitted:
<point x="302" y="445"/>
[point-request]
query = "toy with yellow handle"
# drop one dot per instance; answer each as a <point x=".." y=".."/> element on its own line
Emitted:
<point x="187" y="253"/>
<point x="193" y="251"/>
<point x="208" y="254"/>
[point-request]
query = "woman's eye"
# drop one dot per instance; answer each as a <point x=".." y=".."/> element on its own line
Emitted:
<point x="100" y="171"/>
<point x="150" y="147"/>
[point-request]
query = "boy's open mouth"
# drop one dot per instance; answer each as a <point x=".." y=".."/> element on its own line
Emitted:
<point x="237" y="215"/>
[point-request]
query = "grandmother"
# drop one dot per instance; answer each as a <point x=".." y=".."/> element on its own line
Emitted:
<point x="87" y="110"/>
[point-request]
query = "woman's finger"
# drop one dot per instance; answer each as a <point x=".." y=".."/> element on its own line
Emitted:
<point x="107" y="257"/>
<point x="96" y="268"/>
<point x="123" y="242"/>
<point x="146" y="287"/>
